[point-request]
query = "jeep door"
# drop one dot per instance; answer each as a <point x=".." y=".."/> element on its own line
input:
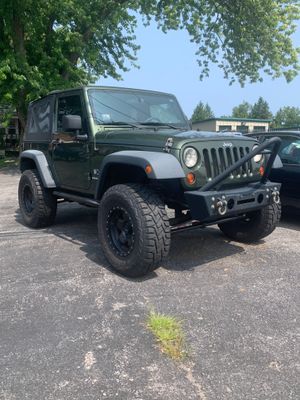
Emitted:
<point x="289" y="175"/>
<point x="71" y="155"/>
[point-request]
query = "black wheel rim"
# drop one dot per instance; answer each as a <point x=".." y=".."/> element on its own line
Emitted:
<point x="120" y="231"/>
<point x="28" y="199"/>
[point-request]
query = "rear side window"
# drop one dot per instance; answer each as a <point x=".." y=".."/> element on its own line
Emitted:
<point x="40" y="120"/>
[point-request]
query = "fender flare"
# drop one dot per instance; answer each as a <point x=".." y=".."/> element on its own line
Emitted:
<point x="164" y="165"/>
<point x="42" y="166"/>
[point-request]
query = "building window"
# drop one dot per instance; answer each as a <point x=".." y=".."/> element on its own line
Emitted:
<point x="225" y="128"/>
<point x="257" y="128"/>
<point x="242" y="128"/>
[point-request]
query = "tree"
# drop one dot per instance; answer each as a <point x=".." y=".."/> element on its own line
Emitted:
<point x="52" y="44"/>
<point x="242" y="111"/>
<point x="261" y="110"/>
<point x="202" y="111"/>
<point x="287" y="117"/>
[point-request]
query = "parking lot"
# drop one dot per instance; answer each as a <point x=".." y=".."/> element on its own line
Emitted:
<point x="70" y="328"/>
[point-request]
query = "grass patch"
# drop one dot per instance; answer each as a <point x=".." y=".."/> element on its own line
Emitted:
<point x="8" y="162"/>
<point x="168" y="333"/>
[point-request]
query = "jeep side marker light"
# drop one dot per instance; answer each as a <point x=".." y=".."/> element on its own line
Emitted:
<point x="148" y="169"/>
<point x="190" y="177"/>
<point x="261" y="170"/>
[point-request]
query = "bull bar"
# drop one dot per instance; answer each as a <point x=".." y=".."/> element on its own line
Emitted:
<point x="208" y="204"/>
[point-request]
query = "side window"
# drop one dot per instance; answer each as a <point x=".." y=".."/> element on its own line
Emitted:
<point x="39" y="124"/>
<point x="290" y="151"/>
<point x="70" y="105"/>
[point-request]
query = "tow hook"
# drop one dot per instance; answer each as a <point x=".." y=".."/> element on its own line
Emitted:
<point x="222" y="206"/>
<point x="276" y="196"/>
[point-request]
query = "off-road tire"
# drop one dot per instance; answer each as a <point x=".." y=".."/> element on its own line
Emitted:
<point x="42" y="210"/>
<point x="149" y="226"/>
<point x="257" y="225"/>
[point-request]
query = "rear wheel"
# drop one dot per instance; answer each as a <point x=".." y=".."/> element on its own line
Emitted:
<point x="134" y="229"/>
<point x="37" y="203"/>
<point x="255" y="226"/>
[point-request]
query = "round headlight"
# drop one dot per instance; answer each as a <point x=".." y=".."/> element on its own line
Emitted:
<point x="190" y="157"/>
<point x="258" y="158"/>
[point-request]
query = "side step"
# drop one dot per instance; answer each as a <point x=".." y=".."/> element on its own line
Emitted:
<point x="78" y="199"/>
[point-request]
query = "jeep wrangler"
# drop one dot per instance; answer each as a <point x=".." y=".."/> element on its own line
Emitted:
<point x="133" y="155"/>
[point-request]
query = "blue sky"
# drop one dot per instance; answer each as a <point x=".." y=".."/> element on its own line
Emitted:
<point x="168" y="63"/>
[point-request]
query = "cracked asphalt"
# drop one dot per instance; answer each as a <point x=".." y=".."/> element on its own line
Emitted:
<point x="70" y="328"/>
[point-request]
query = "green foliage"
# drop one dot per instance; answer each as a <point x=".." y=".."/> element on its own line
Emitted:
<point x="261" y="110"/>
<point x="61" y="44"/>
<point x="242" y="111"/>
<point x="287" y="117"/>
<point x="242" y="37"/>
<point x="168" y="332"/>
<point x="8" y="162"/>
<point x="50" y="45"/>
<point x="201" y="112"/>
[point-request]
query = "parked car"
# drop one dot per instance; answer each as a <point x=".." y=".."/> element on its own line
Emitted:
<point x="131" y="153"/>
<point x="289" y="174"/>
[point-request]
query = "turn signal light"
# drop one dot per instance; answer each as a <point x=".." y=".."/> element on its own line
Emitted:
<point x="261" y="170"/>
<point x="148" y="169"/>
<point x="190" y="177"/>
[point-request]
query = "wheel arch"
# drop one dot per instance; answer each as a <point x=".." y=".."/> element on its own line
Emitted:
<point x="130" y="167"/>
<point x="35" y="159"/>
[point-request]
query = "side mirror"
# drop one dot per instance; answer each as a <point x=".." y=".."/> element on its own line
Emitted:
<point x="71" y="123"/>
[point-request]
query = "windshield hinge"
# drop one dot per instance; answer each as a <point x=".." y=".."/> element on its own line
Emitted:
<point x="168" y="145"/>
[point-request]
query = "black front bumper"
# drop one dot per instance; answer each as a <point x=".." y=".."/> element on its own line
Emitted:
<point x="208" y="206"/>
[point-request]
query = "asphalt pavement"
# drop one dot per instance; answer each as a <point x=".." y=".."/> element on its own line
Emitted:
<point x="72" y="329"/>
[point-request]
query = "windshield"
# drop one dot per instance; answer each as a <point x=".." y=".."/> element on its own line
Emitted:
<point x="112" y="106"/>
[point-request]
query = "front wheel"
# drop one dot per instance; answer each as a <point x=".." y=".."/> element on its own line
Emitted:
<point x="255" y="226"/>
<point x="134" y="229"/>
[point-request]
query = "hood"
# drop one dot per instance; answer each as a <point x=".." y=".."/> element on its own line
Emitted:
<point x="158" y="138"/>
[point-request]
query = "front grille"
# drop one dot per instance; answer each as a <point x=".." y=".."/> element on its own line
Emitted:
<point x="218" y="159"/>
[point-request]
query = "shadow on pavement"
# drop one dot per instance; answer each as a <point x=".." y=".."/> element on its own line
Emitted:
<point x="78" y="225"/>
<point x="195" y="248"/>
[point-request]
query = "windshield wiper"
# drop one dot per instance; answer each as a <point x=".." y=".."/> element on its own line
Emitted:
<point x="160" y="124"/>
<point x="122" y="123"/>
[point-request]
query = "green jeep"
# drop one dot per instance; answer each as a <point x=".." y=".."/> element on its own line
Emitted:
<point x="133" y="155"/>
